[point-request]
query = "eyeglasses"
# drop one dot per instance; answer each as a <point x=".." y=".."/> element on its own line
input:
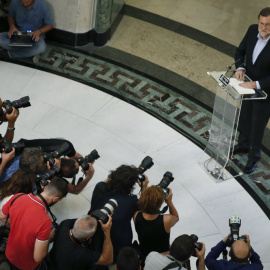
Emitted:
<point x="266" y="25"/>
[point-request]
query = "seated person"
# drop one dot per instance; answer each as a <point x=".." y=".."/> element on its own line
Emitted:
<point x="152" y="226"/>
<point x="128" y="259"/>
<point x="69" y="253"/>
<point x="119" y="186"/>
<point x="242" y="256"/>
<point x="25" y="15"/>
<point x="180" y="251"/>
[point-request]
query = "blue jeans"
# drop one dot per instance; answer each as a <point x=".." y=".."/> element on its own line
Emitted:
<point x="39" y="47"/>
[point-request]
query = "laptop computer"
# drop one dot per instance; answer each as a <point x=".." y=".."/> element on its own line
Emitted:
<point x="22" y="39"/>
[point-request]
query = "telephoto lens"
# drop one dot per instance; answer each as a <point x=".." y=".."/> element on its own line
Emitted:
<point x="83" y="162"/>
<point x="20" y="103"/>
<point x="234" y="223"/>
<point x="7" y="146"/>
<point x="102" y="214"/>
<point x="43" y="179"/>
<point x="165" y="181"/>
<point x="146" y="164"/>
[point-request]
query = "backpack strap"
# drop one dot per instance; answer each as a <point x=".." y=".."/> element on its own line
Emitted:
<point x="173" y="264"/>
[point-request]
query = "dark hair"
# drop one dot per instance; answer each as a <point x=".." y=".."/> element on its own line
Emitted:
<point x="30" y="158"/>
<point x="182" y="247"/>
<point x="123" y="179"/>
<point x="68" y="167"/>
<point x="58" y="187"/>
<point x="151" y="199"/>
<point x="264" y="12"/>
<point x="237" y="260"/>
<point x="128" y="259"/>
<point x="22" y="181"/>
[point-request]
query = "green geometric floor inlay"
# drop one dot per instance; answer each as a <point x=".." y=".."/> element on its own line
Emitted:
<point x="183" y="114"/>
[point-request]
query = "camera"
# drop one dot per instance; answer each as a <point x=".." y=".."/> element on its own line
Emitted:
<point x="20" y="103"/>
<point x="7" y="146"/>
<point x="235" y="223"/>
<point x="165" y="181"/>
<point x="146" y="164"/>
<point x="56" y="154"/>
<point x="197" y="244"/>
<point x="103" y="213"/>
<point x="83" y="162"/>
<point x="43" y="179"/>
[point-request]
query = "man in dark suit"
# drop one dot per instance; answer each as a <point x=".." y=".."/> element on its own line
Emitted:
<point x="254" y="51"/>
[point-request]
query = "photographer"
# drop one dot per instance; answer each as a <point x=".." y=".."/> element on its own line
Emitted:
<point x="119" y="186"/>
<point x="152" y="226"/>
<point x="30" y="226"/>
<point x="128" y="259"/>
<point x="180" y="251"/>
<point x="68" y="251"/>
<point x="242" y="256"/>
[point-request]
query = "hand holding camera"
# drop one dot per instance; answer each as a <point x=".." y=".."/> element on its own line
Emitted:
<point x="106" y="228"/>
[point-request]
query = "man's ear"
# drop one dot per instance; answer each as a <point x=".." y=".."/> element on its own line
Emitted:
<point x="56" y="199"/>
<point x="250" y="254"/>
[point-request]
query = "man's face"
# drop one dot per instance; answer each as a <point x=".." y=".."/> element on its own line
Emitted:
<point x="28" y="3"/>
<point x="42" y="165"/>
<point x="264" y="27"/>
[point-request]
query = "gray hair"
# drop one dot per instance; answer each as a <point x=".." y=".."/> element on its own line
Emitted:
<point x="30" y="158"/>
<point x="84" y="227"/>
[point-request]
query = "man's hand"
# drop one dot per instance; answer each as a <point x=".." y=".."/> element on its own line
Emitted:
<point x="12" y="30"/>
<point x="144" y="183"/>
<point x="169" y="197"/>
<point x="200" y="254"/>
<point x="35" y="35"/>
<point x="6" y="157"/>
<point x="248" y="85"/>
<point x="226" y="238"/>
<point x="11" y="118"/>
<point x="240" y="74"/>
<point x="106" y="227"/>
<point x="90" y="171"/>
<point x="248" y="240"/>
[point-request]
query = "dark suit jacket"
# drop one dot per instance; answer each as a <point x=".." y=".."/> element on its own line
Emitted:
<point x="260" y="71"/>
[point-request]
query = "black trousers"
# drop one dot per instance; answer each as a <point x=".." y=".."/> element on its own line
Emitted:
<point x="254" y="117"/>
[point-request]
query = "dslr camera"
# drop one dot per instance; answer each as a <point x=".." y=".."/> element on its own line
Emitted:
<point x="165" y="181"/>
<point x="146" y="164"/>
<point x="235" y="223"/>
<point x="56" y="154"/>
<point x="7" y="146"/>
<point x="102" y="214"/>
<point x="83" y="162"/>
<point x="42" y="180"/>
<point x="197" y="244"/>
<point x="20" y="103"/>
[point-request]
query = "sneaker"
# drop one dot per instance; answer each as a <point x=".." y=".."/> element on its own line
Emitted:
<point x="36" y="58"/>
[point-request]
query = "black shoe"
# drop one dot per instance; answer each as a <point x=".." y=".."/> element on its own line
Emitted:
<point x="238" y="150"/>
<point x="250" y="166"/>
<point x="4" y="54"/>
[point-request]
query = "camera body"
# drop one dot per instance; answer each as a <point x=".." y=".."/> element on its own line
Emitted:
<point x="7" y="146"/>
<point x="56" y="154"/>
<point x="83" y="162"/>
<point x="20" y="103"/>
<point x="235" y="223"/>
<point x="102" y="214"/>
<point x="146" y="164"/>
<point x="165" y="181"/>
<point x="197" y="244"/>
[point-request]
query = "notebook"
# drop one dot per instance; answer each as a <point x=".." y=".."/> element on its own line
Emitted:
<point x="22" y="39"/>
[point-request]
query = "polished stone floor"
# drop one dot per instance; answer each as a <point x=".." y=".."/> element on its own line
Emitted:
<point x="124" y="134"/>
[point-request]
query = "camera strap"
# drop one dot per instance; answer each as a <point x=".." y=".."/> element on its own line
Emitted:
<point x="49" y="210"/>
<point x="173" y="264"/>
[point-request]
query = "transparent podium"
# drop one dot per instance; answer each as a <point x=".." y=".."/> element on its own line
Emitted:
<point x="217" y="156"/>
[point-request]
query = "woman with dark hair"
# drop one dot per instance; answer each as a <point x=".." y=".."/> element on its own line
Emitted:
<point x="119" y="186"/>
<point x="22" y="181"/>
<point x="152" y="226"/>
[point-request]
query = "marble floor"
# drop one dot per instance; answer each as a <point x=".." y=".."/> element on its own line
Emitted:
<point x="122" y="133"/>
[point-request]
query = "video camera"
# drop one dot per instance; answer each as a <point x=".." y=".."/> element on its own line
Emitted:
<point x="56" y="154"/>
<point x="102" y="214"/>
<point x="6" y="146"/>
<point x="146" y="164"/>
<point x="20" y="103"/>
<point x="235" y="223"/>
<point x="165" y="181"/>
<point x="83" y="162"/>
